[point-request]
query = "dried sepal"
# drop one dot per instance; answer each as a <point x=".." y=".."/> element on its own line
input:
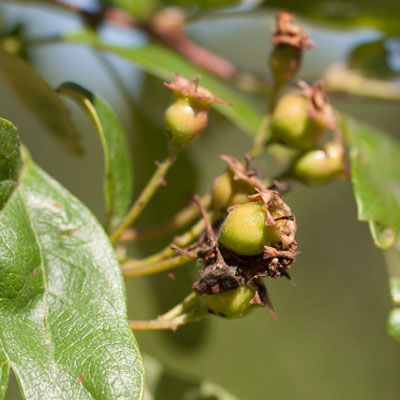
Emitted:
<point x="319" y="107"/>
<point x="285" y="33"/>
<point x="227" y="270"/>
<point x="191" y="90"/>
<point x="187" y="116"/>
<point x="290" y="41"/>
<point x="279" y="214"/>
<point x="243" y="171"/>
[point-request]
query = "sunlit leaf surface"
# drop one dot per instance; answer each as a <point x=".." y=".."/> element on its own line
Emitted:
<point x="117" y="161"/>
<point x="62" y="303"/>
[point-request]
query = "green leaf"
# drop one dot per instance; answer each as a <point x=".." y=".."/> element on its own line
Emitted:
<point x="382" y="15"/>
<point x="163" y="62"/>
<point x="10" y="160"/>
<point x="63" y="319"/>
<point x="142" y="10"/>
<point x="163" y="383"/>
<point x="117" y="160"/>
<point x="40" y="99"/>
<point x="371" y="58"/>
<point x="203" y="3"/>
<point x="4" y="374"/>
<point x="375" y="173"/>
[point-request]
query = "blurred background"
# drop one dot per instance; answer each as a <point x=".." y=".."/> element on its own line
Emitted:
<point x="329" y="341"/>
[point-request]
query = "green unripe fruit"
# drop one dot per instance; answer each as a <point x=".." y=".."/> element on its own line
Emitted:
<point x="292" y="125"/>
<point x="317" y="167"/>
<point x="187" y="116"/>
<point x="185" y="121"/>
<point x="232" y="304"/>
<point x="221" y="192"/>
<point x="228" y="191"/>
<point x="244" y="231"/>
<point x="284" y="62"/>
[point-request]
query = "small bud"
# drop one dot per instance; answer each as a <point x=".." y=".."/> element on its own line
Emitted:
<point x="290" y="42"/>
<point x="227" y="191"/>
<point x="232" y="304"/>
<point x="222" y="192"/>
<point x="235" y="186"/>
<point x="317" y="167"/>
<point x="300" y="118"/>
<point x="187" y="116"/>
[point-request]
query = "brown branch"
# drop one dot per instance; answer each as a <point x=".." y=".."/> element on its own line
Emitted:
<point x="199" y="55"/>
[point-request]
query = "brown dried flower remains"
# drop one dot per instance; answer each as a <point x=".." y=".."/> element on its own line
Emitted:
<point x="226" y="270"/>
<point x="288" y="34"/>
<point x="319" y="107"/>
<point x="192" y="90"/>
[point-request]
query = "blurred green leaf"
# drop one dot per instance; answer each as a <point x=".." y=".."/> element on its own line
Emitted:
<point x="63" y="317"/>
<point x="40" y="99"/>
<point x="382" y="15"/>
<point x="163" y="383"/>
<point x="163" y="62"/>
<point x="142" y="10"/>
<point x="372" y="59"/>
<point x="117" y="160"/>
<point x="4" y="374"/>
<point x="340" y="78"/>
<point x="203" y="3"/>
<point x="375" y="174"/>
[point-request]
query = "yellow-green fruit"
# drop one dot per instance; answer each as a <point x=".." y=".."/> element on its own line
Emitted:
<point x="317" y="167"/>
<point x="221" y="192"/>
<point x="186" y="119"/>
<point x="244" y="231"/>
<point x="233" y="303"/>
<point x="292" y="125"/>
<point x="228" y="191"/>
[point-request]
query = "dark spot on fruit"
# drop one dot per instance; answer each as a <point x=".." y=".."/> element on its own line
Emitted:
<point x="80" y="378"/>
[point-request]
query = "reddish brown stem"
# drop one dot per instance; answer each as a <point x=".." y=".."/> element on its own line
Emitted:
<point x="184" y="252"/>
<point x="197" y="54"/>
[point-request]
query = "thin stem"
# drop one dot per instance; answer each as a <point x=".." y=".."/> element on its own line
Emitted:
<point x="177" y="316"/>
<point x="258" y="143"/>
<point x="155" y="182"/>
<point x="132" y="270"/>
<point x="189" y="301"/>
<point x="180" y="220"/>
<point x="259" y="139"/>
<point x="341" y="79"/>
<point x="164" y="259"/>
<point x="212" y="15"/>
<point x="162" y="324"/>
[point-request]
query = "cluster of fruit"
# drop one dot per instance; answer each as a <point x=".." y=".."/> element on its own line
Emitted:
<point x="253" y="231"/>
